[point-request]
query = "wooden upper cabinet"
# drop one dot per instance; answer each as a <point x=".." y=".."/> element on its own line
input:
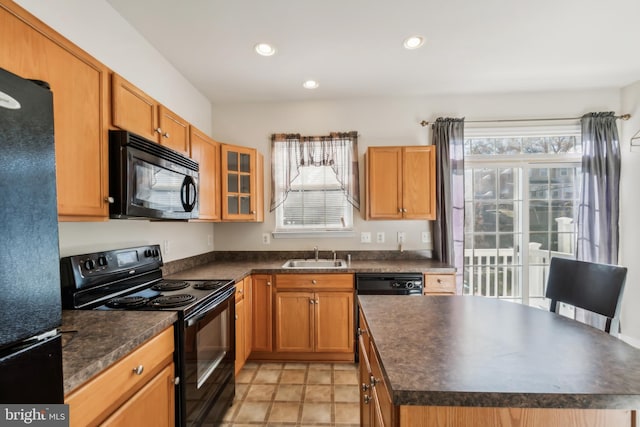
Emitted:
<point x="206" y="152"/>
<point x="242" y="184"/>
<point x="79" y="84"/>
<point x="135" y="111"/>
<point x="174" y="130"/>
<point x="132" y="109"/>
<point x="401" y="182"/>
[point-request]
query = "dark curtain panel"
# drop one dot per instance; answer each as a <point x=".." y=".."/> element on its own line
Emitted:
<point x="289" y="152"/>
<point x="598" y="211"/>
<point x="448" y="229"/>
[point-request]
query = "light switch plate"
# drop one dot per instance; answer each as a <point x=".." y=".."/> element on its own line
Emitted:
<point x="365" y="237"/>
<point x="380" y="237"/>
<point x="426" y="237"/>
<point x="401" y="236"/>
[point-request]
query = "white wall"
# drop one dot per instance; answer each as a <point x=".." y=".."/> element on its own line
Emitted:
<point x="629" y="218"/>
<point x="379" y="121"/>
<point x="97" y="28"/>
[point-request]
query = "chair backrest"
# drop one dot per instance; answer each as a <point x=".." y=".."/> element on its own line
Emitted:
<point x="591" y="286"/>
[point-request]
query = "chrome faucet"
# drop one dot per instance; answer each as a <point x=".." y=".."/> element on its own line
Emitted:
<point x="315" y="250"/>
<point x="334" y="256"/>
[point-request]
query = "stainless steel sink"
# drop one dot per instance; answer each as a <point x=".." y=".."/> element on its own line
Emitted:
<point x="312" y="263"/>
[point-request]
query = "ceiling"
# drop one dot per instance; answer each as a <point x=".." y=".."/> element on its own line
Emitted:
<point x="353" y="48"/>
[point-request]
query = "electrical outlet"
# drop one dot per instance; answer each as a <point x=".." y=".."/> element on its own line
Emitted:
<point x="426" y="237"/>
<point x="401" y="236"/>
<point x="365" y="237"/>
<point x="380" y="237"/>
<point x="266" y="238"/>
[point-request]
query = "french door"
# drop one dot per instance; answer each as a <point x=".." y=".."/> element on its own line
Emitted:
<point x="518" y="214"/>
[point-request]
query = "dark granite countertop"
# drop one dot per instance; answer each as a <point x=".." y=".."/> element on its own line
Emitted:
<point x="476" y="351"/>
<point x="237" y="270"/>
<point x="93" y="340"/>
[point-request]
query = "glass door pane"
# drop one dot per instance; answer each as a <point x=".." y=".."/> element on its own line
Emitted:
<point x="493" y="232"/>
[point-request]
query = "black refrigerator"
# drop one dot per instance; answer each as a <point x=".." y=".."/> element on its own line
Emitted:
<point x="30" y="307"/>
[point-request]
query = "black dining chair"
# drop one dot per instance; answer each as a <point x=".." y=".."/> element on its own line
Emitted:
<point x="590" y="286"/>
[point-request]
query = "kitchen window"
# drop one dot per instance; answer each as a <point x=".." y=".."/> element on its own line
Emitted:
<point x="314" y="185"/>
<point x="521" y="198"/>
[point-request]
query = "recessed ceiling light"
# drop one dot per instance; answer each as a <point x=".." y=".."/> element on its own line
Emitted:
<point x="413" y="42"/>
<point x="265" y="49"/>
<point x="310" y="84"/>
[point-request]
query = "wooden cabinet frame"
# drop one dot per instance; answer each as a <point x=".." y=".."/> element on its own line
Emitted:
<point x="400" y="182"/>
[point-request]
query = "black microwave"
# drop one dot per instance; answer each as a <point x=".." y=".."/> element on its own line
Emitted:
<point x="148" y="180"/>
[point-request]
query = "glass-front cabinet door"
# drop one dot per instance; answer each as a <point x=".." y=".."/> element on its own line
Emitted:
<point x="239" y="191"/>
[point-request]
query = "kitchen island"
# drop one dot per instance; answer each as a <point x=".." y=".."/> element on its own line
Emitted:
<point x="462" y="360"/>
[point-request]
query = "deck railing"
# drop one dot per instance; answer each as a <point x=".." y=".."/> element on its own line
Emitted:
<point x="498" y="272"/>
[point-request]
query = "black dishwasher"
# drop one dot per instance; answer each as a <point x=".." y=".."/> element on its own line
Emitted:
<point x="386" y="284"/>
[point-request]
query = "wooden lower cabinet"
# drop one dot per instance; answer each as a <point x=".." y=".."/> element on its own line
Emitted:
<point x="243" y="322"/>
<point x="449" y="416"/>
<point x="241" y="327"/>
<point x="152" y="405"/>
<point x="140" y="386"/>
<point x="261" y="314"/>
<point x="439" y="284"/>
<point x="376" y="406"/>
<point x="314" y="316"/>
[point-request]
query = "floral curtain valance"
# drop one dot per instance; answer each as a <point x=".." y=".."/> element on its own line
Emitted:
<point x="290" y="152"/>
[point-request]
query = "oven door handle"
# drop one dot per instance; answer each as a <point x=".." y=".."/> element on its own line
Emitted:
<point x="204" y="311"/>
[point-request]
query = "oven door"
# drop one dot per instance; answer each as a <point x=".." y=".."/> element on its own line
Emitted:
<point x="209" y="356"/>
<point x="159" y="188"/>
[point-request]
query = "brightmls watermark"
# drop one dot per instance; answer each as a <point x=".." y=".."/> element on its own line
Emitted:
<point x="34" y="415"/>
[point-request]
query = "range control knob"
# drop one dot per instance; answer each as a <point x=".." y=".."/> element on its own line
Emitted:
<point x="409" y="285"/>
<point x="89" y="264"/>
<point x="148" y="253"/>
<point x="156" y="252"/>
<point x="102" y="261"/>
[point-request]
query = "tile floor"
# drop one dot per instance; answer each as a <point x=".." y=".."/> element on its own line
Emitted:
<point x="295" y="394"/>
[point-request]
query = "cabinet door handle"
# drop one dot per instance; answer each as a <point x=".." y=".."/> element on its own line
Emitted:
<point x="109" y="200"/>
<point x="138" y="370"/>
<point x="158" y="130"/>
<point x="366" y="398"/>
<point x="365" y="386"/>
<point x="311" y="301"/>
<point x="166" y="135"/>
<point x="268" y="283"/>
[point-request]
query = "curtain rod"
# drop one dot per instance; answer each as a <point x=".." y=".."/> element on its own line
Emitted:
<point x="623" y="117"/>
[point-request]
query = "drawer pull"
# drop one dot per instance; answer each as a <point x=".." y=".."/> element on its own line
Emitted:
<point x="313" y="281"/>
<point x="138" y="370"/>
<point x="439" y="280"/>
<point x="366" y="398"/>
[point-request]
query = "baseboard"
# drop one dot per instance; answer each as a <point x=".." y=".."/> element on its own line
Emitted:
<point x="629" y="340"/>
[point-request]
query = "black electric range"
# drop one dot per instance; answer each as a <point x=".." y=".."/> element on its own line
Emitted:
<point x="131" y="279"/>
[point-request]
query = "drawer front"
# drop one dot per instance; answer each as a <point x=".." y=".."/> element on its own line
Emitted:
<point x="439" y="284"/>
<point x="240" y="290"/>
<point x="92" y="402"/>
<point x="314" y="281"/>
